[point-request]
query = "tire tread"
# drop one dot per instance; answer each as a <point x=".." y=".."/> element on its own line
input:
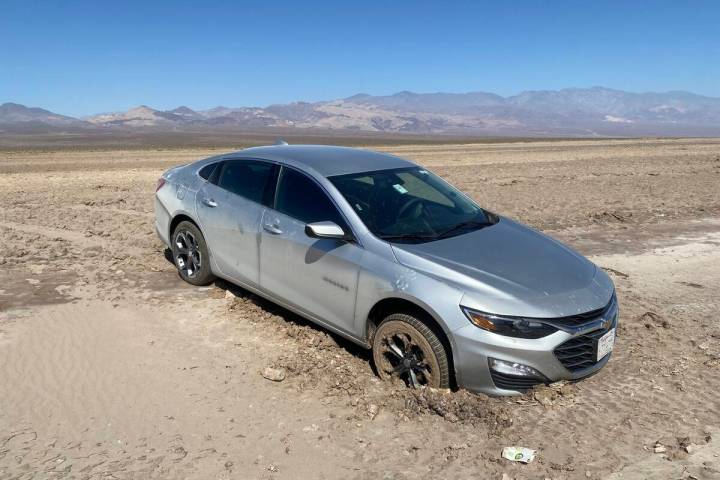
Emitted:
<point x="435" y="343"/>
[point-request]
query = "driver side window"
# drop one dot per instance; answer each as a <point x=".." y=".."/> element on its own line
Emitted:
<point x="301" y="198"/>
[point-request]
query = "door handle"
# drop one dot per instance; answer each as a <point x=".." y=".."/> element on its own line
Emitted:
<point x="209" y="202"/>
<point x="274" y="229"/>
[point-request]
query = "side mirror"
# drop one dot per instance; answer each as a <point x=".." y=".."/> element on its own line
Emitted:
<point x="325" y="230"/>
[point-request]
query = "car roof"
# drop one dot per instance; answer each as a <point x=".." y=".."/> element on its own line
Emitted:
<point x="325" y="160"/>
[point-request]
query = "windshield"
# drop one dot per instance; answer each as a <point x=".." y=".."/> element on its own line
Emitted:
<point x="410" y="204"/>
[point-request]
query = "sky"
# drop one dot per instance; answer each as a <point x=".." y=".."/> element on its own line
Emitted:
<point x="84" y="57"/>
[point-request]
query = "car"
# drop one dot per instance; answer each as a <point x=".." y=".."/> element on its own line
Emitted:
<point x="385" y="253"/>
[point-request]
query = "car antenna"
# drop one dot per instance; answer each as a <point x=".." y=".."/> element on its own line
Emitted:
<point x="280" y="141"/>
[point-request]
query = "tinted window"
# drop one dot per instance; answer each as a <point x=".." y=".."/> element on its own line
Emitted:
<point x="207" y="170"/>
<point x="246" y="178"/>
<point x="300" y="197"/>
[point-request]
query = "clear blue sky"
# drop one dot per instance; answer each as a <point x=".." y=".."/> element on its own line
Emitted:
<point x="83" y="57"/>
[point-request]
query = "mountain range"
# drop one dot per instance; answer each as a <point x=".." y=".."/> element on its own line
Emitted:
<point x="572" y="112"/>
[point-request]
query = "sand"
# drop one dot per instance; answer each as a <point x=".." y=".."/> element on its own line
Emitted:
<point x="111" y="367"/>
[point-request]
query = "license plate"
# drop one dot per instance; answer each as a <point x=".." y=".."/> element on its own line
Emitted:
<point x="605" y="344"/>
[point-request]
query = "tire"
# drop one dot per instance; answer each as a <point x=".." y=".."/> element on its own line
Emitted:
<point x="190" y="254"/>
<point x="406" y="348"/>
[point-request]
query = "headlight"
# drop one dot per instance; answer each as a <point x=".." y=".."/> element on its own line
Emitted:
<point x="510" y="327"/>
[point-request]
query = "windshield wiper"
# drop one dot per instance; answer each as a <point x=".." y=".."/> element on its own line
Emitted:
<point x="461" y="225"/>
<point x="407" y="236"/>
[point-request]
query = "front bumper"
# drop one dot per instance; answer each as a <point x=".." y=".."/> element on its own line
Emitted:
<point x="474" y="346"/>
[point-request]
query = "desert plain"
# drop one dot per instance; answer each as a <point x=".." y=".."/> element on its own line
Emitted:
<point x="112" y="368"/>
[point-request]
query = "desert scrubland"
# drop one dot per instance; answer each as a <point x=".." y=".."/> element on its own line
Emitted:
<point x="112" y="367"/>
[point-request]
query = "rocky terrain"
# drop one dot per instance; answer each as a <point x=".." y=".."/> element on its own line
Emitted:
<point x="111" y="367"/>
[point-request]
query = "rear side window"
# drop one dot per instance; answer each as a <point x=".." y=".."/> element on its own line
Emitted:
<point x="248" y="178"/>
<point x="207" y="170"/>
<point x="301" y="198"/>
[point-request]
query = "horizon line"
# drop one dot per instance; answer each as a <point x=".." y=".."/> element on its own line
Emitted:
<point x="201" y="109"/>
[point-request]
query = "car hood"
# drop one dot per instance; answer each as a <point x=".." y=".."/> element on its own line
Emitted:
<point x="510" y="269"/>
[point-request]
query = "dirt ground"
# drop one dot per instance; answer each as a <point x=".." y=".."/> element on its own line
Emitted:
<point x="111" y="367"/>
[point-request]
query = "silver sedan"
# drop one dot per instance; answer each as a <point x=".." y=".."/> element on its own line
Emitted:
<point x="387" y="254"/>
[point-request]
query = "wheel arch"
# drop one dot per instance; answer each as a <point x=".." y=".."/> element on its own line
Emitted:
<point x="390" y="305"/>
<point x="181" y="217"/>
<point x="184" y="217"/>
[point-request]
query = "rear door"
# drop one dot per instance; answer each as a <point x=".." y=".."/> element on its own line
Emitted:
<point x="318" y="276"/>
<point x="230" y="206"/>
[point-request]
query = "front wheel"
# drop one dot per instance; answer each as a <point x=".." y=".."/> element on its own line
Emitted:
<point x="406" y="348"/>
<point x="190" y="254"/>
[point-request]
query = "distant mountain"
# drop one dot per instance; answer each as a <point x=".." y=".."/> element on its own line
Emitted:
<point x="598" y="102"/>
<point x="591" y="110"/>
<point x="186" y="113"/>
<point x="19" y="118"/>
<point x="142" y="116"/>
<point x="448" y="103"/>
<point x="571" y="111"/>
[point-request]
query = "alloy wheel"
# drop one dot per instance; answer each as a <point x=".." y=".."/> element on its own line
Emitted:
<point x="404" y="354"/>
<point x="187" y="254"/>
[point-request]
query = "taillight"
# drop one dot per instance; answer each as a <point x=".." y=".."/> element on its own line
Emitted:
<point x="161" y="181"/>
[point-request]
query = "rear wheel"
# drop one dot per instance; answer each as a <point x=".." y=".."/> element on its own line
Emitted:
<point x="407" y="349"/>
<point x="190" y="254"/>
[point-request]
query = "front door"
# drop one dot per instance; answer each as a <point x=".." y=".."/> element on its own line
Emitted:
<point x="318" y="276"/>
<point x="230" y="207"/>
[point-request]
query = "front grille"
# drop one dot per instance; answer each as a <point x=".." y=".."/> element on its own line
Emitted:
<point x="580" y="352"/>
<point x="583" y="318"/>
<point x="511" y="382"/>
